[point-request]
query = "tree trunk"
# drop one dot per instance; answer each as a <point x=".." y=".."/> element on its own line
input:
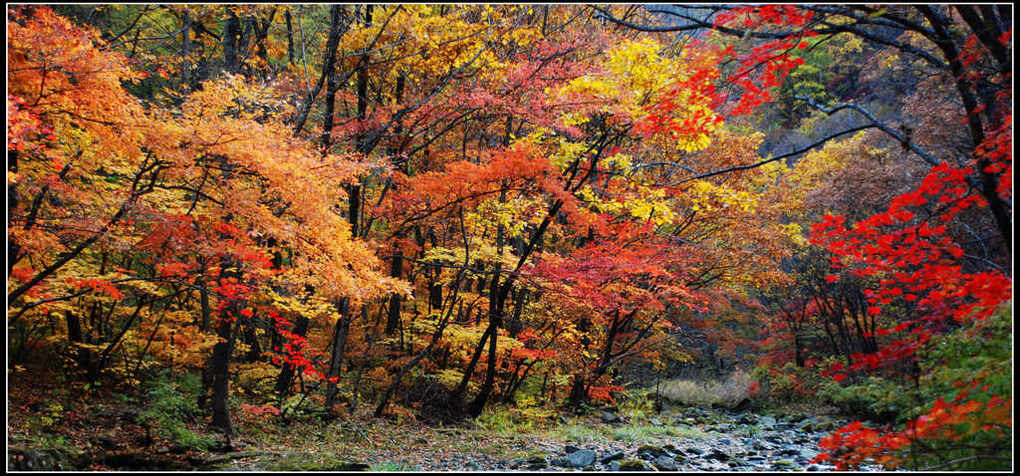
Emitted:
<point x="393" y="317"/>
<point x="496" y="305"/>
<point x="231" y="41"/>
<point x="220" y="370"/>
<point x="340" y="331"/>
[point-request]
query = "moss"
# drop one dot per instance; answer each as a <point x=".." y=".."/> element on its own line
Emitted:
<point x="785" y="463"/>
<point x="633" y="465"/>
<point x="655" y="450"/>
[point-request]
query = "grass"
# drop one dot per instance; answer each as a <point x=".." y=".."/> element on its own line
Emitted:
<point x="727" y="393"/>
<point x="392" y="466"/>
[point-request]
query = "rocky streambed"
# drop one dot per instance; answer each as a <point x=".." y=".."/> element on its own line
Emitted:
<point x="731" y="442"/>
<point x="690" y="440"/>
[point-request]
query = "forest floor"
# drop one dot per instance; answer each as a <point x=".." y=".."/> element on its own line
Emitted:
<point x="681" y="439"/>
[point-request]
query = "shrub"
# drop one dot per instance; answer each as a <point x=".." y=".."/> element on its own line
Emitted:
<point x="876" y="398"/>
<point x="171" y="402"/>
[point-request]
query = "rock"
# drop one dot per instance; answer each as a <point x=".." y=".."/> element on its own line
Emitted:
<point x="694" y="450"/>
<point x="580" y="458"/>
<point x="656" y="422"/>
<point x="783" y="463"/>
<point x="725" y="441"/>
<point x="665" y="463"/>
<point x="632" y="465"/>
<point x="611" y="457"/>
<point x="672" y="449"/>
<point x="796" y="417"/>
<point x="789" y="451"/>
<point x="609" y="417"/>
<point x="562" y="462"/>
<point x="826" y="424"/>
<point x="614" y="465"/>
<point x="537" y="462"/>
<point x="718" y="455"/>
<point x="651" y="449"/>
<point x="570" y="449"/>
<point x="767" y="422"/>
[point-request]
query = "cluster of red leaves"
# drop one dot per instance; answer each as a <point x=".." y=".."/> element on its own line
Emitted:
<point x="997" y="148"/>
<point x="24" y="128"/>
<point x="98" y="285"/>
<point x="768" y="64"/>
<point x="603" y="393"/>
<point x="855" y="444"/>
<point x="296" y="350"/>
<point x="696" y="88"/>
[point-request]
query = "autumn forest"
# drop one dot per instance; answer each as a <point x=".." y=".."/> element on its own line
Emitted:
<point x="469" y="237"/>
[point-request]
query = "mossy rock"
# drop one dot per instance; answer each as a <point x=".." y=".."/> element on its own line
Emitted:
<point x="651" y="449"/>
<point x="633" y="465"/>
<point x="532" y="454"/>
<point x="783" y="463"/>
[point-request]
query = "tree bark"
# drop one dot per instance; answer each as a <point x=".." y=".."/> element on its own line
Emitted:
<point x="220" y="369"/>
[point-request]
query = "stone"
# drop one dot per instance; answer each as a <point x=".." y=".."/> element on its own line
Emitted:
<point x="570" y="449"/>
<point x="718" y="455"/>
<point x="609" y="417"/>
<point x="611" y="457"/>
<point x="665" y="463"/>
<point x="656" y="422"/>
<point x="651" y="449"/>
<point x="580" y="458"/>
<point x="632" y="465"/>
<point x="537" y="462"/>
<point x="783" y="463"/>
